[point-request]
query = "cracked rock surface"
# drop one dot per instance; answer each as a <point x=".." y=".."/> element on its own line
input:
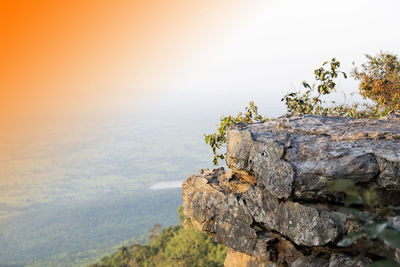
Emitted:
<point x="294" y="157"/>
<point x="273" y="206"/>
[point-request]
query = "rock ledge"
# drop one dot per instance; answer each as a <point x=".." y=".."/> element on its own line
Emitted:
<point x="273" y="206"/>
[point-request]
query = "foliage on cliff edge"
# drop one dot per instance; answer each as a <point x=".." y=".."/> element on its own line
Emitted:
<point x="173" y="246"/>
<point x="379" y="84"/>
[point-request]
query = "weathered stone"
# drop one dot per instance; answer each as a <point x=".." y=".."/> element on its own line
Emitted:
<point x="335" y="260"/>
<point x="273" y="207"/>
<point x="218" y="212"/>
<point x="264" y="159"/>
<point x="303" y="224"/>
<point x="342" y="128"/>
<point x="310" y="262"/>
<point x="238" y="259"/>
<point x="294" y="157"/>
<point x="230" y="215"/>
<point x="339" y="260"/>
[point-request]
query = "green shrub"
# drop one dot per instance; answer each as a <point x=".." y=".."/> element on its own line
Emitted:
<point x="171" y="246"/>
<point x="218" y="140"/>
<point x="311" y="102"/>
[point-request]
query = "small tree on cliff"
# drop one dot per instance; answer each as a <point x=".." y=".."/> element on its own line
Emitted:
<point x="311" y="101"/>
<point x="218" y="140"/>
<point x="380" y="80"/>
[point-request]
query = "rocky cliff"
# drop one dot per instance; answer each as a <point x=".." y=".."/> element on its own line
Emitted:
<point x="273" y="206"/>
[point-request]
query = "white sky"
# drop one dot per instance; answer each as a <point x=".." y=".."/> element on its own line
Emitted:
<point x="279" y="46"/>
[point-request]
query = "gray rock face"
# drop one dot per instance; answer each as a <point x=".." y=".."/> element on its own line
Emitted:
<point x="231" y="215"/>
<point x="273" y="205"/>
<point x="336" y="260"/>
<point x="303" y="224"/>
<point x="294" y="157"/>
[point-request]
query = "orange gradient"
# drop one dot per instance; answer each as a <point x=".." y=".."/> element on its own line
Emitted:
<point x="70" y="66"/>
<point x="60" y="57"/>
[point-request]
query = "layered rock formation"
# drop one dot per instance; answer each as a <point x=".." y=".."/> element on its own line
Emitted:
<point x="273" y="205"/>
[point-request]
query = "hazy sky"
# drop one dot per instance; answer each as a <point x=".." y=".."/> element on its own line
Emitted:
<point x="106" y="56"/>
<point x="282" y="42"/>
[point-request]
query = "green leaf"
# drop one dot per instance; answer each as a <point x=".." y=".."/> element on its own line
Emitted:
<point x="375" y="229"/>
<point x="361" y="215"/>
<point x="351" y="200"/>
<point x="391" y="237"/>
<point x="215" y="161"/>
<point x="393" y="207"/>
<point x="340" y="185"/>
<point x="370" y="197"/>
<point x="384" y="263"/>
<point x="306" y="85"/>
<point x="351" y="238"/>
